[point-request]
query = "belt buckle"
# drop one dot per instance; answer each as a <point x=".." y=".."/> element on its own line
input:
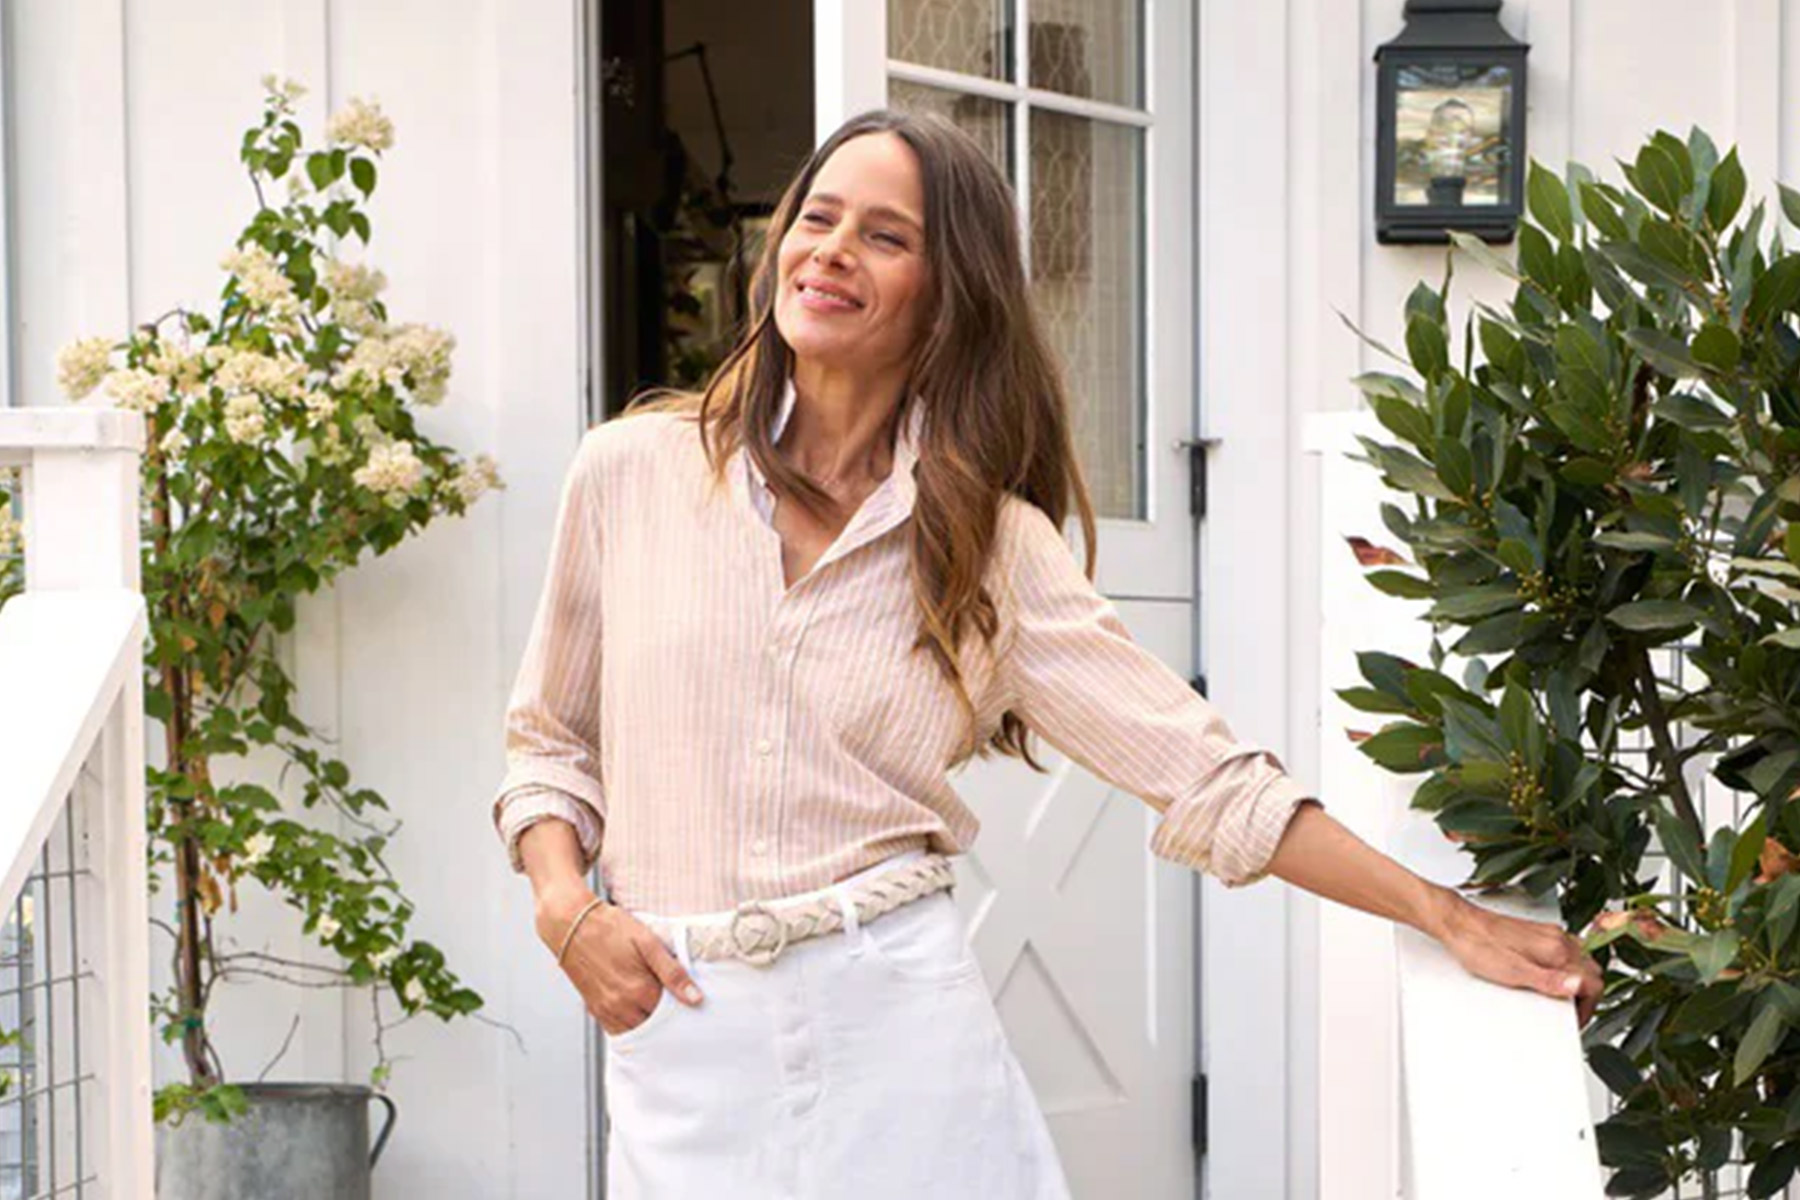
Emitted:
<point x="766" y="955"/>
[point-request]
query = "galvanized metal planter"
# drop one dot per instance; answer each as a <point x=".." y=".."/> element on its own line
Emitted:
<point x="298" y="1141"/>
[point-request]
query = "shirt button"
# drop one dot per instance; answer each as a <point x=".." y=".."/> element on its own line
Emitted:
<point x="765" y="747"/>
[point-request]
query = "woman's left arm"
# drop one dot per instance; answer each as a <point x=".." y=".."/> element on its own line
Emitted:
<point x="1319" y="854"/>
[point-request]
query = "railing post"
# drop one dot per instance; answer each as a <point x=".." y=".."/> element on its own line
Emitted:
<point x="82" y="526"/>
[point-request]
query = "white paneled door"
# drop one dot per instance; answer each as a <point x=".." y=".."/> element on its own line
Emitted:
<point x="1088" y="943"/>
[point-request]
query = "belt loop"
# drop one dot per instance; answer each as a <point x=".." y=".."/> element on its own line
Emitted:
<point x="852" y="923"/>
<point x="678" y="930"/>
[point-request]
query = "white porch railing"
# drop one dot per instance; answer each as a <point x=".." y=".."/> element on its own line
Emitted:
<point x="1434" y="1085"/>
<point x="75" y="1113"/>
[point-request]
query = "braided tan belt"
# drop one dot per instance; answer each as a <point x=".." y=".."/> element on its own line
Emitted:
<point x="758" y="932"/>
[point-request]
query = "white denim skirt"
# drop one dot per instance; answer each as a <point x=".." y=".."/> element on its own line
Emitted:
<point x="868" y="1064"/>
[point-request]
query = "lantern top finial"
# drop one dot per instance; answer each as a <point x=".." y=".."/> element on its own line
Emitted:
<point x="1453" y="25"/>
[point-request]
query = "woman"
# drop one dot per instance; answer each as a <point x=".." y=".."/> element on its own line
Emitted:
<point x="775" y="618"/>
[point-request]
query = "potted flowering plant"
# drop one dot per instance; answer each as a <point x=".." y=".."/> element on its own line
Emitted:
<point x="283" y="446"/>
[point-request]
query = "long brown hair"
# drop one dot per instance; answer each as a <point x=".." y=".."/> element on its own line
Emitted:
<point x="997" y="417"/>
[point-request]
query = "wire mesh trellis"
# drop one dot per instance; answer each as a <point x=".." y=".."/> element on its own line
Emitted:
<point x="1719" y="807"/>
<point x="47" y="1090"/>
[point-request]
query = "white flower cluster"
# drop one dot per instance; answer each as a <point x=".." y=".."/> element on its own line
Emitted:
<point x="476" y="477"/>
<point x="401" y="355"/>
<point x="393" y="472"/>
<point x="256" y="848"/>
<point x="381" y="958"/>
<point x="12" y="534"/>
<point x="241" y="370"/>
<point x="353" y="286"/>
<point x="414" y="991"/>
<point x="173" y="442"/>
<point x="283" y="93"/>
<point x="264" y="286"/>
<point x="137" y="389"/>
<point x="320" y="406"/>
<point x="182" y="369"/>
<point x="360" y="123"/>
<point x="246" y="420"/>
<point x="332" y="449"/>
<point x="82" y="364"/>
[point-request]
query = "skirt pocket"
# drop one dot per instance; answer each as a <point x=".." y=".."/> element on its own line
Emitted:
<point x="924" y="942"/>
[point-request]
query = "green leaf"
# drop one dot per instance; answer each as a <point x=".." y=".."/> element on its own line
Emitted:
<point x="1694" y="413"/>
<point x="1369" y="700"/>
<point x="1746" y="852"/>
<point x="1484" y="254"/>
<point x="1399" y="583"/>
<point x="1427" y="347"/>
<point x="1759" y="1041"/>
<point x="1615" y="1069"/>
<point x="1790" y="203"/>
<point x="1549" y="200"/>
<point x="1680" y="844"/>
<point x="1456" y="467"/>
<point x="1602" y="212"/>
<point x="1404" y="748"/>
<point x="1717" y="347"/>
<point x="1776" y="291"/>
<point x="362" y="174"/>
<point x="1664" y="351"/>
<point x="1714" y="953"/>
<point x="1495" y="635"/>
<point x="1642" y="615"/>
<point x="318" y="169"/>
<point x="1464" y="604"/>
<point x="1709" y="1009"/>
<point x="1727" y="195"/>
<point x="1633" y="541"/>
<point x="1659" y="178"/>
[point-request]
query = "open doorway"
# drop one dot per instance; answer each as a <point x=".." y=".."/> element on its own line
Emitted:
<point x="706" y="110"/>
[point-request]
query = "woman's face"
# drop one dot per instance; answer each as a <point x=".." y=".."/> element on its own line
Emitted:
<point x="851" y="269"/>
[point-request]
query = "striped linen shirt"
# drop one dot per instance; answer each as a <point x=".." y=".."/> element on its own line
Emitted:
<point x="736" y="738"/>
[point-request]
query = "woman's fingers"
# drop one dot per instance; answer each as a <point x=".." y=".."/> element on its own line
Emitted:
<point x="1533" y="955"/>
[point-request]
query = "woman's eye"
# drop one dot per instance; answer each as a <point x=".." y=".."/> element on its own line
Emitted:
<point x="816" y="218"/>
<point x="891" y="239"/>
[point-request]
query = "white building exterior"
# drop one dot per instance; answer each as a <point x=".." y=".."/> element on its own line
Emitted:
<point x="123" y="189"/>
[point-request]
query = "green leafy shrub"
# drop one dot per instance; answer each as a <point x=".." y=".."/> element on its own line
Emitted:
<point x="1599" y="476"/>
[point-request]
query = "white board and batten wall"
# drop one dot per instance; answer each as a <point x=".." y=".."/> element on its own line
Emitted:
<point x="124" y="188"/>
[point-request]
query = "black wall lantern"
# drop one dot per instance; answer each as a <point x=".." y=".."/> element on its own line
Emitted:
<point x="1450" y="129"/>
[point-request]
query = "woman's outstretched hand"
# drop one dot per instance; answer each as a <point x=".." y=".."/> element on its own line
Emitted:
<point x="1534" y="955"/>
<point x="615" y="962"/>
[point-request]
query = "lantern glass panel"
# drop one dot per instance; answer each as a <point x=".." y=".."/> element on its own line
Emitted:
<point x="1453" y="135"/>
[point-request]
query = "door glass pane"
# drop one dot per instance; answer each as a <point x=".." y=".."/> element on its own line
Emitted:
<point x="1087" y="269"/>
<point x="990" y="121"/>
<point x="1088" y="48"/>
<point x="972" y="37"/>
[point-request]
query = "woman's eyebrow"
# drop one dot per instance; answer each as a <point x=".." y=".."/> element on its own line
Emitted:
<point x="879" y="210"/>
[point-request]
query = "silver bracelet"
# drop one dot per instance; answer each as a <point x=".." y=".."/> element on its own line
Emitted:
<point x="581" y="916"/>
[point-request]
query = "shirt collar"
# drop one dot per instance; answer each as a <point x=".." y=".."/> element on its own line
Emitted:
<point x="906" y="451"/>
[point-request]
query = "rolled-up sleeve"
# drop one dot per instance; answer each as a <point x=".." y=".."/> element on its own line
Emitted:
<point x="1071" y="671"/>
<point x="552" y="725"/>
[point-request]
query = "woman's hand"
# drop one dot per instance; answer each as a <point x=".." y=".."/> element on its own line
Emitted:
<point x="1534" y="955"/>
<point x="615" y="962"/>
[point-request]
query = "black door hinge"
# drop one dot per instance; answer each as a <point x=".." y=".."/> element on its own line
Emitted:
<point x="1196" y="450"/>
<point x="1199" y="1115"/>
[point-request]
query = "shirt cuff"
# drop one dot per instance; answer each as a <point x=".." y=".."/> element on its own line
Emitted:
<point x="1230" y="825"/>
<point x="520" y="809"/>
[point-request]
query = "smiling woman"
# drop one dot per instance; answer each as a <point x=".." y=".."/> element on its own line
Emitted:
<point x="778" y="615"/>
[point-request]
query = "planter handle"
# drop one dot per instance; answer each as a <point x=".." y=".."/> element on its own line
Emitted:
<point x="387" y="1127"/>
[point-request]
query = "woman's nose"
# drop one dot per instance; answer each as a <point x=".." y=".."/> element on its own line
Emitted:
<point x="830" y="248"/>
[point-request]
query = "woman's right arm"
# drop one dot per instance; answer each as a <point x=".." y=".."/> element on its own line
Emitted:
<point x="553" y="744"/>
